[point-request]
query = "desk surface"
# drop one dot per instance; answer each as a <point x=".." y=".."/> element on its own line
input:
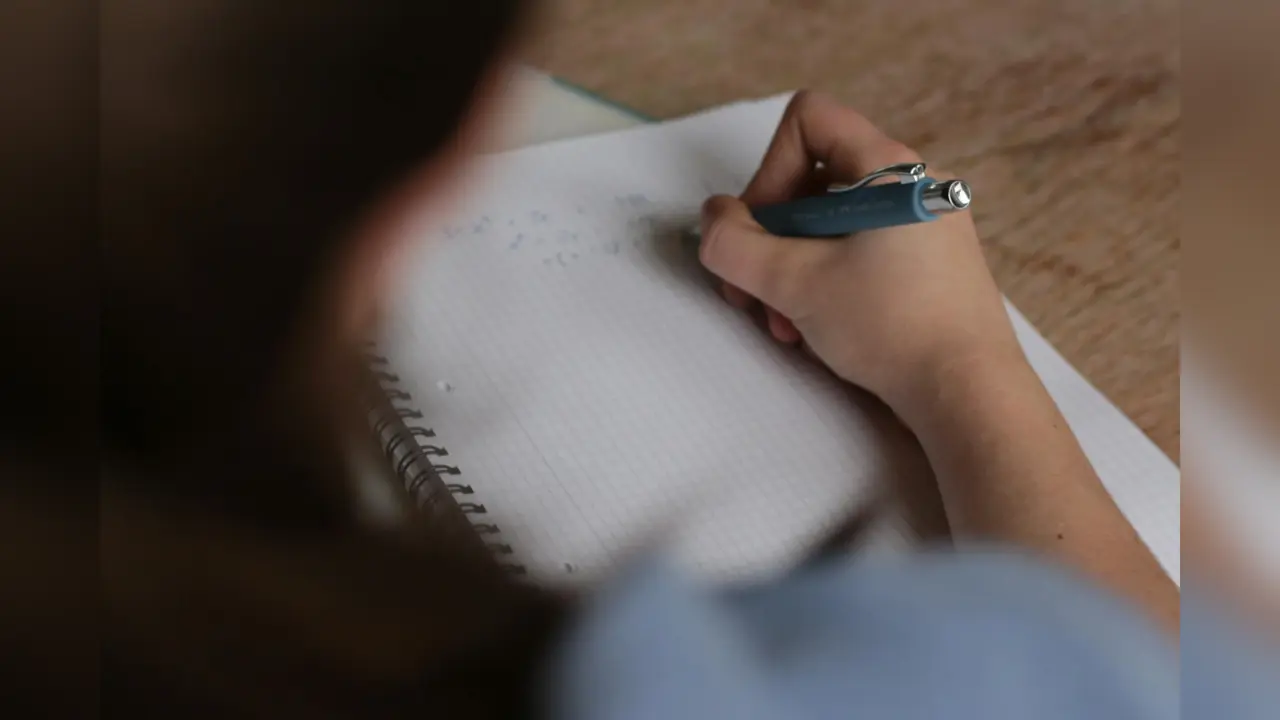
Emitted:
<point x="1067" y="112"/>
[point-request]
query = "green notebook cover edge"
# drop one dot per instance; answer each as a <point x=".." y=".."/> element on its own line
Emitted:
<point x="600" y="99"/>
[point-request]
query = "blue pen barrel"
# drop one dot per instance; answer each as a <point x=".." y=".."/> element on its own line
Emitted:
<point x="839" y="214"/>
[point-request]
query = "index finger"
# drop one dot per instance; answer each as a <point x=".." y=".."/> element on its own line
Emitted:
<point x="816" y="128"/>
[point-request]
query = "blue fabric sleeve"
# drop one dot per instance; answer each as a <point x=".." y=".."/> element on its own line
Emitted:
<point x="988" y="635"/>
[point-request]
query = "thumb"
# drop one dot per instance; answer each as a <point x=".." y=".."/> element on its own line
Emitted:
<point x="771" y="268"/>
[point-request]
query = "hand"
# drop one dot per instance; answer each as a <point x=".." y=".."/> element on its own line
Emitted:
<point x="886" y="309"/>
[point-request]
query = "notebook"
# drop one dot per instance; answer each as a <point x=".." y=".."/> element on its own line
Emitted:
<point x="564" y="376"/>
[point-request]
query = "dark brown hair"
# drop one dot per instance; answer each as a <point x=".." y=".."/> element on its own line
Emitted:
<point x="241" y="141"/>
<point x="193" y="367"/>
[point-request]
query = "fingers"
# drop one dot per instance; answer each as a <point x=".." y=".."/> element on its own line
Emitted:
<point x="782" y="329"/>
<point x="816" y="128"/>
<point x="736" y="296"/>
<point x="756" y="263"/>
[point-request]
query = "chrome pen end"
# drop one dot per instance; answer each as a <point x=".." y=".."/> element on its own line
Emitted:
<point x="947" y="196"/>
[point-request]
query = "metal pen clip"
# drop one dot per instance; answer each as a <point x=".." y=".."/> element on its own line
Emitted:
<point x="905" y="172"/>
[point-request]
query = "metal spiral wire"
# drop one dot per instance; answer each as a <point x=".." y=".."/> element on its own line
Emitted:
<point x="415" y="455"/>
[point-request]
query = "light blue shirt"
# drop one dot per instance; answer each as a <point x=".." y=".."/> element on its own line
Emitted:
<point x="987" y="635"/>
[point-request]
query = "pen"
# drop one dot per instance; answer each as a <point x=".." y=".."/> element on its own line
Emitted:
<point x="848" y="208"/>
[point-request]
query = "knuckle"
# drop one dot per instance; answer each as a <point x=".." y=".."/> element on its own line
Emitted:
<point x="806" y="101"/>
<point x="776" y="288"/>
<point x="713" y="229"/>
<point x="799" y="101"/>
<point x="790" y="273"/>
<point x="706" y="250"/>
<point x="894" y="152"/>
<point x="941" y="174"/>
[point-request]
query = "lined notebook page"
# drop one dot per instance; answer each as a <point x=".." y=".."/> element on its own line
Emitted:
<point x="574" y="359"/>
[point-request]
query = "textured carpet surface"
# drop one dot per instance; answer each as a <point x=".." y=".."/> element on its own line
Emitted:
<point x="1063" y="115"/>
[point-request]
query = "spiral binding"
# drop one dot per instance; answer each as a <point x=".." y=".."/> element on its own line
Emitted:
<point x="416" y="458"/>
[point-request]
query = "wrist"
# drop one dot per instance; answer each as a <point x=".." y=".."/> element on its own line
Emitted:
<point x="954" y="381"/>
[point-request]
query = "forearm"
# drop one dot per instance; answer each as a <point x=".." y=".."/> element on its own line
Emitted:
<point x="1010" y="470"/>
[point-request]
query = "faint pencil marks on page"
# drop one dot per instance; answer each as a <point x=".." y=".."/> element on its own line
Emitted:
<point x="583" y="234"/>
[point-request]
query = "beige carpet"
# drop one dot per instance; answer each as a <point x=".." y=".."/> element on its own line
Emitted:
<point x="1063" y="115"/>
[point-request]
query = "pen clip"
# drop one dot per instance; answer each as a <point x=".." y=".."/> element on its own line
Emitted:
<point x="905" y="172"/>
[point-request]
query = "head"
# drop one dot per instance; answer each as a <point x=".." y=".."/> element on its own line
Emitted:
<point x="246" y="166"/>
<point x="255" y="160"/>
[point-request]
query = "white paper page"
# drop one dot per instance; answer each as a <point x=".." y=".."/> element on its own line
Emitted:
<point x="599" y="397"/>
